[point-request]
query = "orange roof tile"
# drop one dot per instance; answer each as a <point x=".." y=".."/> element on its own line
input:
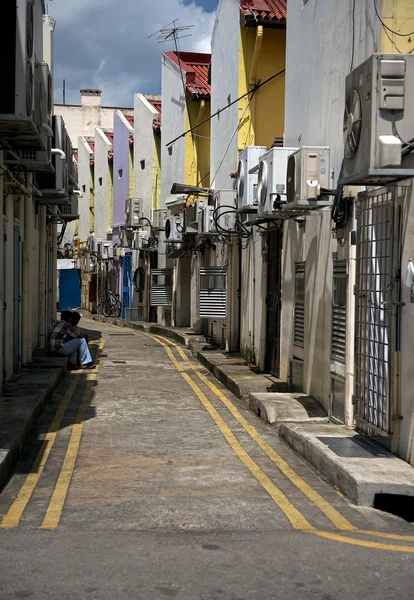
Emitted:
<point x="267" y="12"/>
<point x="195" y="66"/>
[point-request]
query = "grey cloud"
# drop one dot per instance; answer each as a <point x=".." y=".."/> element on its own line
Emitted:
<point x="102" y="44"/>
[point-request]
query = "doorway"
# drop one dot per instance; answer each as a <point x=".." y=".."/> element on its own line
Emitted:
<point x="16" y="300"/>
<point x="273" y="301"/>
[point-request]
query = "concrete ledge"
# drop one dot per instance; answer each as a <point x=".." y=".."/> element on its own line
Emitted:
<point x="234" y="373"/>
<point x="21" y="403"/>
<point x="287" y="407"/>
<point x="354" y="464"/>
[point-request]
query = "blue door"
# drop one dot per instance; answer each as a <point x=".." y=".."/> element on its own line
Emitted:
<point x="16" y="300"/>
<point x="126" y="283"/>
<point x="69" y="289"/>
<point x="3" y="341"/>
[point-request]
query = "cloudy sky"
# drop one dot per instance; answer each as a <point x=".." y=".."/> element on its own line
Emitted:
<point x="105" y="44"/>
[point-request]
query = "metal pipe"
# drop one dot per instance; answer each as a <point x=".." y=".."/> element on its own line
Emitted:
<point x="42" y="277"/>
<point x="59" y="152"/>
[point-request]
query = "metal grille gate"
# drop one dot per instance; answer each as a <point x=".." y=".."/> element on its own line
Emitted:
<point x="299" y="306"/>
<point x="161" y="287"/>
<point x="376" y="287"/>
<point x="340" y="277"/>
<point x="213" y="293"/>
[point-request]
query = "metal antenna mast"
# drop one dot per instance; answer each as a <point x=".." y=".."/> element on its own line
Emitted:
<point x="173" y="32"/>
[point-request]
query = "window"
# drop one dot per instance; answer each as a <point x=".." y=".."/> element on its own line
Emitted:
<point x="120" y="173"/>
<point x="339" y="292"/>
<point x="84" y="188"/>
<point x="299" y="306"/>
<point x="100" y="180"/>
<point x="142" y="163"/>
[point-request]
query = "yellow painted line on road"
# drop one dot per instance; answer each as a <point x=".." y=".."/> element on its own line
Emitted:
<point x="364" y="543"/>
<point x="323" y="505"/>
<point x="57" y="501"/>
<point x="390" y="536"/>
<point x="15" y="512"/>
<point x="295" y="517"/>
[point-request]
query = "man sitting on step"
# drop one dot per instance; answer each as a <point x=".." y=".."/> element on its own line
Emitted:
<point x="66" y="340"/>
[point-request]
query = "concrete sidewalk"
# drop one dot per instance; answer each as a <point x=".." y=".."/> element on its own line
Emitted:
<point x="22" y="401"/>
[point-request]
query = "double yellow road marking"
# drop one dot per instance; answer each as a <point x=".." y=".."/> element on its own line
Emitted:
<point x="296" y="518"/>
<point x="54" y="511"/>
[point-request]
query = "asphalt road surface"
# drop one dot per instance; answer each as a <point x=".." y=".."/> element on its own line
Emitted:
<point x="146" y="479"/>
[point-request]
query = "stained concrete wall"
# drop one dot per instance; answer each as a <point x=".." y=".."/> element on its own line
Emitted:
<point x="101" y="182"/>
<point x="318" y="58"/>
<point x="84" y="180"/>
<point x="144" y="154"/>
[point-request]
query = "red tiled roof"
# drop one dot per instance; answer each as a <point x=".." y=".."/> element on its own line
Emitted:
<point x="156" y="124"/>
<point x="110" y="136"/>
<point x="195" y="66"/>
<point x="91" y="144"/>
<point x="130" y="121"/>
<point x="270" y="12"/>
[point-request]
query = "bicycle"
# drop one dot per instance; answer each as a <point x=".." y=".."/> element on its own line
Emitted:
<point x="112" y="306"/>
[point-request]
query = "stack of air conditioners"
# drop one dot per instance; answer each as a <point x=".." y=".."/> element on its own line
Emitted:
<point x="378" y="117"/>
<point x="174" y="228"/>
<point x="220" y="217"/>
<point x="92" y="244"/>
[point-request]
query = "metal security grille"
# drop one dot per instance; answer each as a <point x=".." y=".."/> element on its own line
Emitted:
<point x="299" y="309"/>
<point x="213" y="293"/>
<point x="375" y="284"/>
<point x="340" y="284"/>
<point x="161" y="287"/>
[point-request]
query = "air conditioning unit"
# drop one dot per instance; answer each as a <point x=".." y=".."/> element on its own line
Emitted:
<point x="246" y="182"/>
<point x="132" y="212"/>
<point x="107" y="251"/>
<point x="92" y="244"/>
<point x="17" y="77"/>
<point x="191" y="220"/>
<point x="174" y="227"/>
<point x="126" y="238"/>
<point x="158" y="219"/>
<point x="141" y="239"/>
<point x="224" y="215"/>
<point x="378" y="116"/>
<point x="271" y="185"/>
<point x="70" y="212"/>
<point x="30" y="159"/>
<point x="44" y="76"/>
<point x="308" y="172"/>
<point x="206" y="220"/>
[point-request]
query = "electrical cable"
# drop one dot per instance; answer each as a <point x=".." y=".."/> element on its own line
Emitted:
<point x="389" y="28"/>
<point x="232" y="136"/>
<point x="353" y="35"/>
<point x="395" y="132"/>
<point x="341" y="208"/>
<point x="220" y="110"/>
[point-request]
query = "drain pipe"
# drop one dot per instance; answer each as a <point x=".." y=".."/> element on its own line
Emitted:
<point x="42" y="276"/>
<point x="59" y="152"/>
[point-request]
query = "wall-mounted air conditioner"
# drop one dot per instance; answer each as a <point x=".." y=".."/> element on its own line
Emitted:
<point x="141" y="239"/>
<point x="378" y="116"/>
<point x="105" y="251"/>
<point x="271" y="187"/>
<point x="70" y="212"/>
<point x="174" y="227"/>
<point x="158" y="219"/>
<point x="92" y="244"/>
<point x="224" y="215"/>
<point x="308" y="174"/>
<point x="206" y="221"/>
<point x="44" y="77"/>
<point x="246" y="182"/>
<point x="191" y="220"/>
<point x="132" y="212"/>
<point x="17" y="76"/>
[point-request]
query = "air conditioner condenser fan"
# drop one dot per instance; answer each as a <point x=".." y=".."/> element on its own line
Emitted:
<point x="352" y="123"/>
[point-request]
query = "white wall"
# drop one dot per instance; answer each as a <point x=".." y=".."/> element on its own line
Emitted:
<point x="84" y="175"/>
<point x="101" y="176"/>
<point x="173" y="124"/>
<point x="318" y="58"/>
<point x="144" y="116"/>
<point x="224" y="86"/>
<point x="82" y="120"/>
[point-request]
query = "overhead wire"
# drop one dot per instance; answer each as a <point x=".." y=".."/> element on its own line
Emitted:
<point x="389" y="28"/>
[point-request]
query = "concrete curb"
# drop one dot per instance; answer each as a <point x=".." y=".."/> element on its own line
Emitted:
<point x="15" y="430"/>
<point x="360" y="470"/>
<point x="286" y="407"/>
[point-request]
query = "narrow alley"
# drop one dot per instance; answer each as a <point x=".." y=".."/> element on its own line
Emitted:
<point x="146" y="479"/>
